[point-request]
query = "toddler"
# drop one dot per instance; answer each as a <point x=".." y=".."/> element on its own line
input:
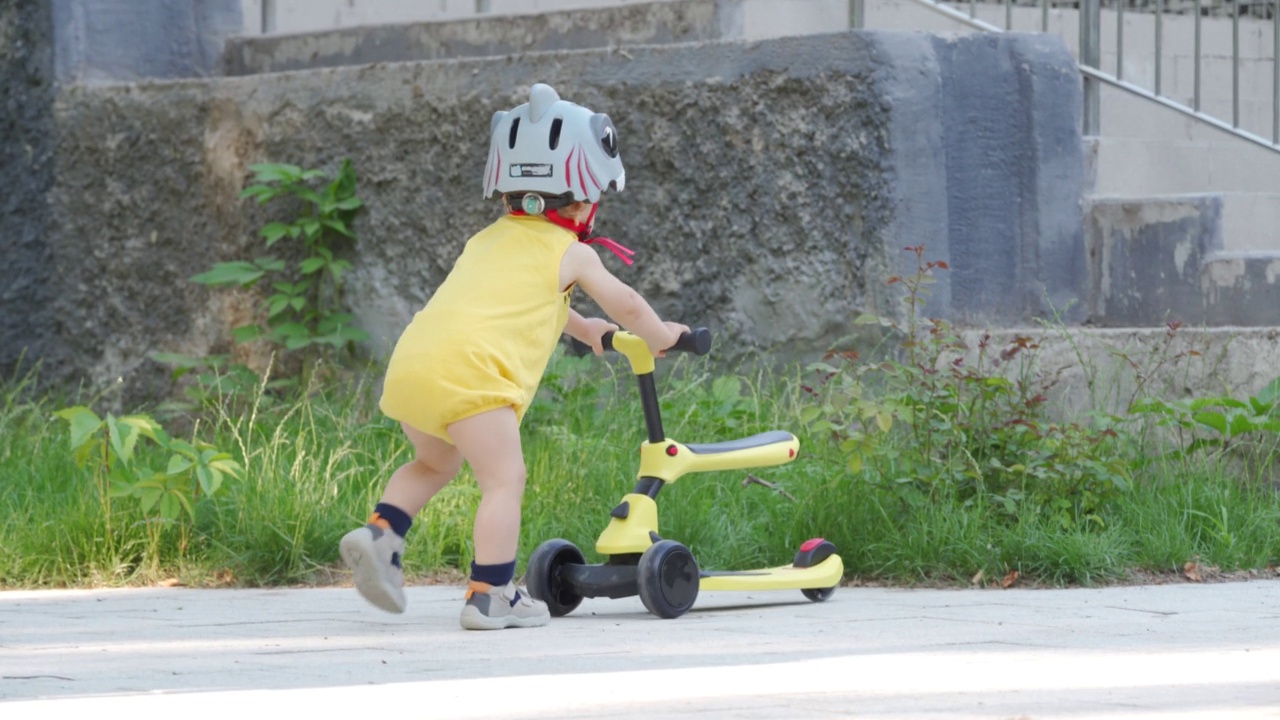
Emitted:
<point x="464" y="371"/>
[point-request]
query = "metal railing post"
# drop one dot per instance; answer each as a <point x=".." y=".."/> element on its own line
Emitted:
<point x="268" y="16"/>
<point x="1159" y="39"/>
<point x="857" y="15"/>
<point x="1235" y="67"/>
<point x="1275" y="73"/>
<point x="1091" y="56"/>
<point x="1120" y="39"/>
<point x="1195" y="103"/>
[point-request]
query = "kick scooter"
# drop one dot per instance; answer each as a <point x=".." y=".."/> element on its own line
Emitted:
<point x="639" y="561"/>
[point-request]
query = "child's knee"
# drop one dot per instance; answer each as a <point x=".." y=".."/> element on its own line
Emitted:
<point x="508" y="479"/>
<point x="436" y="465"/>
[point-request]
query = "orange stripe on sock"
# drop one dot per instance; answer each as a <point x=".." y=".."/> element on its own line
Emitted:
<point x="476" y="586"/>
<point x="376" y="519"/>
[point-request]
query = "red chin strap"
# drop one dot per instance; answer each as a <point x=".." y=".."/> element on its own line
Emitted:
<point x="583" y="231"/>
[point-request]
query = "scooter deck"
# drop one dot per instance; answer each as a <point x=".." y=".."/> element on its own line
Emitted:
<point x="787" y="577"/>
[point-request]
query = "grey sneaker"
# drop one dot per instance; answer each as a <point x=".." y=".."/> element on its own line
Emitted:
<point x="373" y="554"/>
<point x="495" y="608"/>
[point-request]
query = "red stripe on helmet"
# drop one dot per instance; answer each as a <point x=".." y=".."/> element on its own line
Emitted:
<point x="592" y="175"/>
<point x="568" y="175"/>
<point x="497" y="169"/>
<point x="582" y="179"/>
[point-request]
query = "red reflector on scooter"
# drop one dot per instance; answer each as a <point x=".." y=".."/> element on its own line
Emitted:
<point x="791" y="453"/>
<point x="811" y="544"/>
<point x="672" y="450"/>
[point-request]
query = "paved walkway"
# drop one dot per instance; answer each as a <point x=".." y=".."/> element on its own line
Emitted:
<point x="1172" y="651"/>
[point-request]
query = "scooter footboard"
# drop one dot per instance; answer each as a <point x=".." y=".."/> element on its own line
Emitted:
<point x="827" y="573"/>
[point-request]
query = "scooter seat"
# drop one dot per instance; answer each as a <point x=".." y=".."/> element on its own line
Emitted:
<point x="755" y="441"/>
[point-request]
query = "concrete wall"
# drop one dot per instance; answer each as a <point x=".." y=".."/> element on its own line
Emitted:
<point x="26" y="162"/>
<point x="121" y="40"/>
<point x="770" y="187"/>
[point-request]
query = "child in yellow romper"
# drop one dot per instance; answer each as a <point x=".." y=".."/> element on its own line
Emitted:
<point x="463" y="373"/>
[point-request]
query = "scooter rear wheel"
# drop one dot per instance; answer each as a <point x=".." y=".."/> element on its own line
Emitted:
<point x="544" y="580"/>
<point x="811" y="553"/>
<point x="668" y="579"/>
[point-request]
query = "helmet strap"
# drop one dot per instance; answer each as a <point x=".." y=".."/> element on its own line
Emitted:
<point x="583" y="231"/>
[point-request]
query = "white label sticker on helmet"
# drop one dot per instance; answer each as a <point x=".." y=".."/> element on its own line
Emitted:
<point x="539" y="170"/>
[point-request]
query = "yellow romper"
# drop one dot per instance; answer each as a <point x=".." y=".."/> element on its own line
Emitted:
<point x="484" y="339"/>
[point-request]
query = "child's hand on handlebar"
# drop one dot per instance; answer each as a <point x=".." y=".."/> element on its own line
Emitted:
<point x="676" y="330"/>
<point x="592" y="330"/>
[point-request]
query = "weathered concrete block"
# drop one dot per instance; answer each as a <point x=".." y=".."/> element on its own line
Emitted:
<point x="1146" y="257"/>
<point x="1242" y="288"/>
<point x="770" y="186"/>
<point x="1015" y="174"/>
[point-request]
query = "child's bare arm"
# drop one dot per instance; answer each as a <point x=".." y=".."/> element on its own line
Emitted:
<point x="588" y="330"/>
<point x="618" y="300"/>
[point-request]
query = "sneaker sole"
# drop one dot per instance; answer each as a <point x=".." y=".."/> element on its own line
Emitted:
<point x="473" y="619"/>
<point x="358" y="553"/>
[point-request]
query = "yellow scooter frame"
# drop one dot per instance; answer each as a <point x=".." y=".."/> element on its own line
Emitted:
<point x="663" y="572"/>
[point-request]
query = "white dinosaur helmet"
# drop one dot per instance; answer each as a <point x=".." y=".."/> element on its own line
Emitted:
<point x="553" y="147"/>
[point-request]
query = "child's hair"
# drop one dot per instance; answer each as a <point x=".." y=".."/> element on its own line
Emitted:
<point x="552" y="148"/>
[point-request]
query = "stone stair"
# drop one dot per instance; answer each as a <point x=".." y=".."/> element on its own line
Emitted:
<point x="1220" y="263"/>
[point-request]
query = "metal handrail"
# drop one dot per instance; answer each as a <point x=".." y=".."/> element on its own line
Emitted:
<point x="1090" y="60"/>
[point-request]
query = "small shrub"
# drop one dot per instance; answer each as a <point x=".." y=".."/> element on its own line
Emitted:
<point x="932" y="428"/>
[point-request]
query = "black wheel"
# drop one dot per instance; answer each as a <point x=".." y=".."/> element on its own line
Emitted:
<point x="811" y="553"/>
<point x="668" y="579"/>
<point x="543" y="576"/>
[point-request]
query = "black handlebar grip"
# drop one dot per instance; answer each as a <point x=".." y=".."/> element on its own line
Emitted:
<point x="696" y="341"/>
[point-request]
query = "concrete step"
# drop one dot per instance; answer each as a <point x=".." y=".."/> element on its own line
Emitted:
<point x="577" y="28"/>
<point x="1144" y="166"/>
<point x="1246" y="177"/>
<point x="1155" y="260"/>
<point x="483" y="36"/>
<point x="1241" y="288"/>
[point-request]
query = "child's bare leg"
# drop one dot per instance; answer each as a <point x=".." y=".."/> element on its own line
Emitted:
<point x="413" y="484"/>
<point x="490" y="442"/>
<point x="373" y="551"/>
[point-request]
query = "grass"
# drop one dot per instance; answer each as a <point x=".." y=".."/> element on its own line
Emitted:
<point x="315" y="465"/>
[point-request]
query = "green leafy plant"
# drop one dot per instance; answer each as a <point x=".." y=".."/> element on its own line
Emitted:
<point x="111" y="450"/>
<point x="935" y="426"/>
<point x="1220" y="423"/>
<point x="304" y="308"/>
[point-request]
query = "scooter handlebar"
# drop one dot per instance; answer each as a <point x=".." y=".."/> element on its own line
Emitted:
<point x="696" y="341"/>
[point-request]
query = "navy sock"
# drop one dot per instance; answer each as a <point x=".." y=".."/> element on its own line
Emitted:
<point x="398" y="519"/>
<point x="495" y="575"/>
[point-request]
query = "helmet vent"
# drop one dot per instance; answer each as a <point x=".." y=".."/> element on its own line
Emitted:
<point x="555" y="132"/>
<point x="515" y="130"/>
<point x="609" y="141"/>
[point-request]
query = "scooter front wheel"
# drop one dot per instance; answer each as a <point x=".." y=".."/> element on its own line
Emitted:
<point x="668" y="579"/>
<point x="543" y="576"/>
